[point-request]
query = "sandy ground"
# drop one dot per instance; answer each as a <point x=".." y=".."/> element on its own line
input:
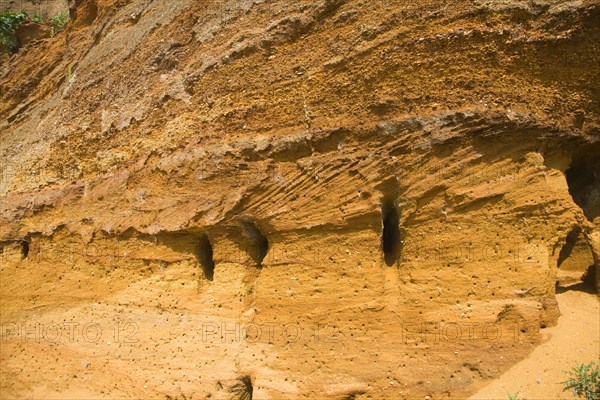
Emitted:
<point x="576" y="339"/>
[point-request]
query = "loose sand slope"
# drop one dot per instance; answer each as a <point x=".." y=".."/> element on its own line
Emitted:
<point x="576" y="339"/>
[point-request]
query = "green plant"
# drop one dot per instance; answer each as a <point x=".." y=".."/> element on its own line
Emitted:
<point x="9" y="22"/>
<point x="584" y="381"/>
<point x="69" y="72"/>
<point x="58" y="23"/>
<point x="37" y="18"/>
<point x="514" y="396"/>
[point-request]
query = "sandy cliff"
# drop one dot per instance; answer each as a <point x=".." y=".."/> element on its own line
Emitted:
<point x="303" y="199"/>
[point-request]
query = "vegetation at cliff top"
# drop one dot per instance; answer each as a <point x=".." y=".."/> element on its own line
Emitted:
<point x="10" y="22"/>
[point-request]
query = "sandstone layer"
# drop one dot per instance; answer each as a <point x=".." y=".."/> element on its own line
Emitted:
<point x="274" y="199"/>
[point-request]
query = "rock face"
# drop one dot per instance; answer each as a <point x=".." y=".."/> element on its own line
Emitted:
<point x="46" y="8"/>
<point x="302" y="199"/>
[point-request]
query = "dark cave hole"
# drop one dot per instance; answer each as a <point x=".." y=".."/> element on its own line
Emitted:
<point x="258" y="244"/>
<point x="24" y="249"/>
<point x="204" y="255"/>
<point x="390" y="239"/>
<point x="583" y="178"/>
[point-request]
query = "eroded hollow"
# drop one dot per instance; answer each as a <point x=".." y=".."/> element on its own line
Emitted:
<point x="24" y="249"/>
<point x="569" y="245"/>
<point x="583" y="178"/>
<point x="257" y="243"/>
<point x="204" y="255"/>
<point x="390" y="238"/>
<point x="576" y="265"/>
